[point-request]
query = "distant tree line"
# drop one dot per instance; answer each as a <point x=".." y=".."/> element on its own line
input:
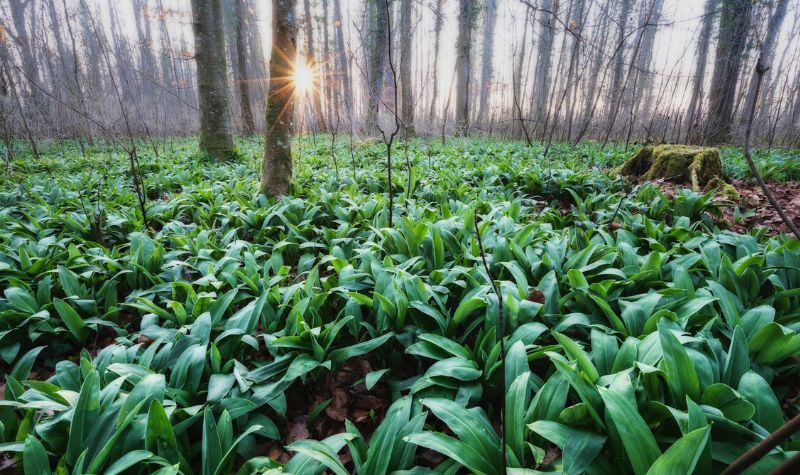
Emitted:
<point x="546" y="70"/>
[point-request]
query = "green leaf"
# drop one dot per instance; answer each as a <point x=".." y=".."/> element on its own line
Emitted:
<point x="34" y="457"/>
<point x="84" y="416"/>
<point x="341" y="355"/>
<point x="682" y="456"/>
<point x="22" y="300"/>
<point x="471" y="426"/>
<point x="732" y="404"/>
<point x="130" y="459"/>
<point x="72" y="320"/>
<point x="737" y="362"/>
<point x="321" y="452"/>
<point x="680" y="370"/>
<point x="579" y="447"/>
<point x="372" y="378"/>
<point x="768" y="412"/>
<point x="639" y="442"/>
<point x="516" y="404"/>
<point x="456" y="450"/>
<point x="466" y="307"/>
<point x="577" y="354"/>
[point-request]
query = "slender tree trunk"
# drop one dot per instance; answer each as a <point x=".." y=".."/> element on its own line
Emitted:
<point x="694" y="110"/>
<point x="330" y="84"/>
<point x="490" y="15"/>
<point x="377" y="60"/>
<point x="316" y="102"/>
<point x="21" y="12"/>
<point x="733" y="28"/>
<point x="644" y="78"/>
<point x="342" y="57"/>
<point x="619" y="63"/>
<point x="406" y="55"/>
<point x="276" y="168"/>
<point x="466" y="19"/>
<point x="767" y="49"/>
<point x="439" y="22"/>
<point x="544" y="61"/>
<point x="516" y="78"/>
<point x="248" y="124"/>
<point x="212" y="79"/>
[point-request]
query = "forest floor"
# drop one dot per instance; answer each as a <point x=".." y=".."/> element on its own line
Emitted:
<point x="306" y="335"/>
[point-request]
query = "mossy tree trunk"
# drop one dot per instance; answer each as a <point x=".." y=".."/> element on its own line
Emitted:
<point x="276" y="168"/>
<point x="216" y="138"/>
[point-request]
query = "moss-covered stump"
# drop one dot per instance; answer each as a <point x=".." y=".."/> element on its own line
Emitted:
<point x="677" y="163"/>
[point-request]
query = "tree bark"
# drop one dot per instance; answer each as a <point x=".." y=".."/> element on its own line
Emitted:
<point x="490" y="15"/>
<point x="24" y="40"/>
<point x="248" y="123"/>
<point x="212" y="79"/>
<point x="276" y="168"/>
<point x="544" y="61"/>
<point x="316" y="102"/>
<point x="767" y="49"/>
<point x="466" y="19"/>
<point x="342" y="58"/>
<point x="377" y="61"/>
<point x="696" y="102"/>
<point x="438" y="23"/>
<point x="733" y="27"/>
<point x="406" y="55"/>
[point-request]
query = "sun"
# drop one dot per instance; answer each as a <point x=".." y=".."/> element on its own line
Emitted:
<point x="303" y="77"/>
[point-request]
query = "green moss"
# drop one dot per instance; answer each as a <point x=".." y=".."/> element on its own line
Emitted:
<point x="639" y="163"/>
<point x="677" y="163"/>
<point x="725" y="190"/>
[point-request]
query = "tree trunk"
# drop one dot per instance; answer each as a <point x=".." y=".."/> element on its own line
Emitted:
<point x="377" y="61"/>
<point x="212" y="80"/>
<point x="544" y="61"/>
<point x="619" y="62"/>
<point x="767" y="50"/>
<point x="316" y="102"/>
<point x="248" y="124"/>
<point x="651" y="17"/>
<point x="696" y="102"/>
<point x="733" y="27"/>
<point x="439" y="22"/>
<point x="516" y="77"/>
<point x="406" y="55"/>
<point x="330" y="85"/>
<point x="276" y="168"/>
<point x="466" y="18"/>
<point x="490" y="15"/>
<point x="342" y="58"/>
<point x="25" y="44"/>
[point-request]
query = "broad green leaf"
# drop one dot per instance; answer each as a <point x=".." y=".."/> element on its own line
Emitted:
<point x="579" y="447"/>
<point x="681" y="457"/>
<point x="639" y="442"/>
